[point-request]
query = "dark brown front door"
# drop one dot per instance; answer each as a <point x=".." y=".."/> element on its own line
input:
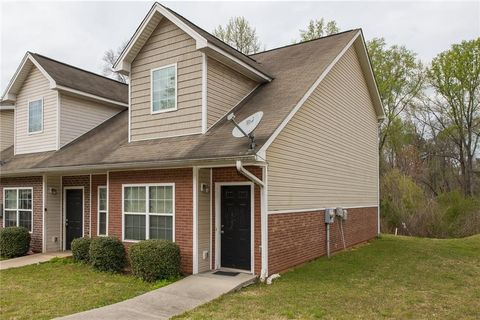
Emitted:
<point x="235" y="227"/>
<point x="73" y="215"/>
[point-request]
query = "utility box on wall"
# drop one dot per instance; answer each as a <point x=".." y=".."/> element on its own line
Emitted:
<point x="329" y="216"/>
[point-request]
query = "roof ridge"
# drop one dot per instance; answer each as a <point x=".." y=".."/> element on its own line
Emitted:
<point x="77" y="68"/>
<point x="171" y="10"/>
<point x="307" y="41"/>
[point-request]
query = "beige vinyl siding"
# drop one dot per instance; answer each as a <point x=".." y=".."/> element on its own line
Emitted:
<point x="326" y="156"/>
<point x="53" y="215"/>
<point x="78" y="116"/>
<point x="225" y="88"/>
<point x="35" y="87"/>
<point x="6" y="129"/>
<point x="167" y="45"/>
<point x="203" y="221"/>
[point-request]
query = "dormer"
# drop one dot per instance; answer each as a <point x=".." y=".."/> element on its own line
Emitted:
<point x="182" y="79"/>
<point x="54" y="103"/>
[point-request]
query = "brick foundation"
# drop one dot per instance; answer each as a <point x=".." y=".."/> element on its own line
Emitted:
<point x="231" y="174"/>
<point x="295" y="238"/>
<point x="37" y="184"/>
<point x="183" y="179"/>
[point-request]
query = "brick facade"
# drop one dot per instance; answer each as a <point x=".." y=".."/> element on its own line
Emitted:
<point x="81" y="181"/>
<point x="37" y="184"/>
<point x="183" y="179"/>
<point x="230" y="174"/>
<point x="295" y="238"/>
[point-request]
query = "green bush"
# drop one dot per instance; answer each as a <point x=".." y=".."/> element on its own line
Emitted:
<point x="151" y="260"/>
<point x="80" y="249"/>
<point x="14" y="242"/>
<point x="107" y="254"/>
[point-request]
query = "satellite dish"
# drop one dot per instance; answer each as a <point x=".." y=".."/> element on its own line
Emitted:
<point x="244" y="128"/>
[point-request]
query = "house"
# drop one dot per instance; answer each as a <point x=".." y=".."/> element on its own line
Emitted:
<point x="84" y="155"/>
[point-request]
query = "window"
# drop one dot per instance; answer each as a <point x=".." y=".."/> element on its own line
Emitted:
<point x="102" y="211"/>
<point x="148" y="212"/>
<point x="35" y="116"/>
<point x="164" y="89"/>
<point x="18" y="208"/>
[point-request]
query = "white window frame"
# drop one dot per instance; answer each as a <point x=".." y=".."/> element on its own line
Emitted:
<point x="102" y="211"/>
<point x="151" y="88"/>
<point x="28" y="116"/>
<point x="147" y="208"/>
<point x="17" y="210"/>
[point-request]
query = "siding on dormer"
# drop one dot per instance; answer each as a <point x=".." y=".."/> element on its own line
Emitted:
<point x="225" y="89"/>
<point x="36" y="86"/>
<point x="168" y="44"/>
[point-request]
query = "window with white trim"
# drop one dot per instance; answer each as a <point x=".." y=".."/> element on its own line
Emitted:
<point x="149" y="212"/>
<point x="102" y="211"/>
<point x="164" y="89"/>
<point x="35" y="116"/>
<point x="18" y="208"/>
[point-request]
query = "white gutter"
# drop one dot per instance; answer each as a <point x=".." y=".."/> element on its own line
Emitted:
<point x="263" y="213"/>
<point x="250" y="176"/>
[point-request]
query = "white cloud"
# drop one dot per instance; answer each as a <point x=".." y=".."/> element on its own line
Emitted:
<point x="79" y="32"/>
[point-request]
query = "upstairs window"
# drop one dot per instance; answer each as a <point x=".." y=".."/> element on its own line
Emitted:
<point x="164" y="89"/>
<point x="35" y="116"/>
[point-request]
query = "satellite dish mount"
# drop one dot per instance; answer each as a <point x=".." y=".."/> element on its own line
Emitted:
<point x="246" y="127"/>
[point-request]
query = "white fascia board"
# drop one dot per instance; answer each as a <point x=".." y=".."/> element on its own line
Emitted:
<point x="8" y="95"/>
<point x="240" y="62"/>
<point x="370" y="78"/>
<point x="123" y="66"/>
<point x="91" y="96"/>
<point x="300" y="103"/>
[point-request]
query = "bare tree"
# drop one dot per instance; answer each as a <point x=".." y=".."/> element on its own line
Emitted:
<point x="109" y="58"/>
<point x="239" y="34"/>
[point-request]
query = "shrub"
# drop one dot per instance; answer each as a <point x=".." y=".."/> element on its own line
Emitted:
<point x="151" y="260"/>
<point x="14" y="242"/>
<point x="80" y="249"/>
<point x="107" y="254"/>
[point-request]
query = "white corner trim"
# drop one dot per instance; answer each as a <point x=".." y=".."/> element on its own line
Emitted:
<point x="92" y="96"/>
<point x="204" y="92"/>
<point x="195" y="219"/>
<point x="130" y="110"/>
<point x="44" y="202"/>
<point x="307" y="94"/>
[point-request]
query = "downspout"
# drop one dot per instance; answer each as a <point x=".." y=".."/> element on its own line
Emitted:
<point x="263" y="191"/>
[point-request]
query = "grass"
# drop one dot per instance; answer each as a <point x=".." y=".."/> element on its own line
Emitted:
<point x="389" y="278"/>
<point x="61" y="287"/>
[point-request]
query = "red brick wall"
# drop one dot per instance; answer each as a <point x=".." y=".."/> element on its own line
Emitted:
<point x="231" y="174"/>
<point x="37" y="184"/>
<point x="81" y="181"/>
<point x="183" y="179"/>
<point x="295" y="238"/>
<point x="97" y="180"/>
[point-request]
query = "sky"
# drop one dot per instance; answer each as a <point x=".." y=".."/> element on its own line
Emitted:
<point x="79" y="33"/>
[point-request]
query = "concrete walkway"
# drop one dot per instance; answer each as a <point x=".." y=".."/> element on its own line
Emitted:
<point x="32" y="259"/>
<point x="171" y="300"/>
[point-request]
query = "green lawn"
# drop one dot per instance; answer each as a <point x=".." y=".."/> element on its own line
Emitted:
<point x="392" y="278"/>
<point x="61" y="287"/>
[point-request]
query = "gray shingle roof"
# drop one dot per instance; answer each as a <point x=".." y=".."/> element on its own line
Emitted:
<point x="295" y="68"/>
<point x="82" y="80"/>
